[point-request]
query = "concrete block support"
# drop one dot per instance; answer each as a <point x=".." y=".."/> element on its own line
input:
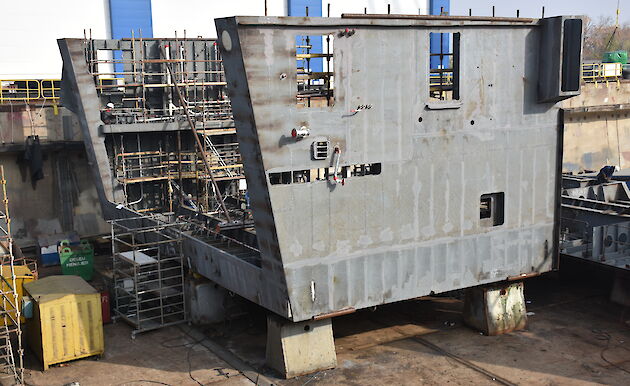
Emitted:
<point x="210" y="303"/>
<point x="300" y="348"/>
<point x="496" y="309"/>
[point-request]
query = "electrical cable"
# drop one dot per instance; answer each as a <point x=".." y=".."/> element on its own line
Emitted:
<point x="41" y="109"/>
<point x="228" y="357"/>
<point x="190" y="364"/>
<point x="190" y="346"/>
<point x="187" y="344"/>
<point x="603" y="335"/>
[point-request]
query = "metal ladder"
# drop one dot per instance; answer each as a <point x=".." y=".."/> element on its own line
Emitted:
<point x="218" y="156"/>
<point x="9" y="307"/>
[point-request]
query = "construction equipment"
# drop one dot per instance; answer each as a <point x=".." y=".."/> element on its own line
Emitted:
<point x="367" y="182"/>
<point x="67" y="322"/>
<point x="148" y="273"/>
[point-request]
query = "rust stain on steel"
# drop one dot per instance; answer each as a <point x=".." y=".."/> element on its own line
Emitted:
<point x="413" y="228"/>
<point x="344" y="311"/>
<point x="523" y="276"/>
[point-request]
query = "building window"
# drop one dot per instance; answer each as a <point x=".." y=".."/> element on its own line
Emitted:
<point x="444" y="66"/>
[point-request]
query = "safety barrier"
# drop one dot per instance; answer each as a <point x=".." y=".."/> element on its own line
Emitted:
<point x="591" y="73"/>
<point x="601" y="72"/>
<point x="50" y="88"/>
<point x="29" y="90"/>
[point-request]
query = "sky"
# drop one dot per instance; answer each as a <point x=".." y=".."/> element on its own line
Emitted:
<point x="533" y="8"/>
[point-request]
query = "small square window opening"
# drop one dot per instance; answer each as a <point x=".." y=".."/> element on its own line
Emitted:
<point x="491" y="209"/>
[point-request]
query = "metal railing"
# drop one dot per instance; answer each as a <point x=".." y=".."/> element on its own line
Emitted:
<point x="50" y="88"/>
<point x="591" y="73"/>
<point x="29" y="90"/>
<point x="601" y="72"/>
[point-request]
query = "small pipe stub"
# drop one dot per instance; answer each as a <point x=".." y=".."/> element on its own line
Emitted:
<point x="346" y="32"/>
<point x="300" y="133"/>
<point x="341" y="312"/>
<point x="523" y="276"/>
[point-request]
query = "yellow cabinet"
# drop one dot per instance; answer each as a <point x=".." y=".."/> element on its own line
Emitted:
<point x="67" y="322"/>
<point x="23" y="275"/>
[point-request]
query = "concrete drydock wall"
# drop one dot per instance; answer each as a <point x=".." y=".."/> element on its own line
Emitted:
<point x="597" y="128"/>
<point x="56" y="203"/>
<point x="17" y="123"/>
<point x="65" y="199"/>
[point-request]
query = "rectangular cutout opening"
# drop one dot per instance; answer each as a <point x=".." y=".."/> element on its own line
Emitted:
<point x="444" y="66"/>
<point x="315" y="61"/>
<point x="322" y="174"/>
<point x="301" y="176"/>
<point x="491" y="209"/>
<point x="571" y="55"/>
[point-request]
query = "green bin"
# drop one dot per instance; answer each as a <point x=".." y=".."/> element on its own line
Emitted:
<point x="615" y="57"/>
<point x="77" y="259"/>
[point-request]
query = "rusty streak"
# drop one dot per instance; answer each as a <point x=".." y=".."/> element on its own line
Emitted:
<point x="523" y="276"/>
<point x="343" y="311"/>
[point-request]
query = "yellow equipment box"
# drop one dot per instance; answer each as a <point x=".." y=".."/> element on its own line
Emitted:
<point x="67" y="320"/>
<point x="22" y="275"/>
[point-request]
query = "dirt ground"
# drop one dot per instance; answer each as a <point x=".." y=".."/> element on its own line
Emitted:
<point x="575" y="336"/>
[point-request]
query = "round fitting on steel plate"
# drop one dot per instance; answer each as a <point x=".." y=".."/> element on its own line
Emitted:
<point x="226" y="40"/>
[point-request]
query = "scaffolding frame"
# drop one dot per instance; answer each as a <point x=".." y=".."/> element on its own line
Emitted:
<point x="168" y="81"/>
<point x="148" y="267"/>
<point x="11" y="330"/>
<point x="139" y="71"/>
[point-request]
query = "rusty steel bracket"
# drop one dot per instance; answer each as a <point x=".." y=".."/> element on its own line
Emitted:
<point x="334" y="314"/>
<point x="523" y="276"/>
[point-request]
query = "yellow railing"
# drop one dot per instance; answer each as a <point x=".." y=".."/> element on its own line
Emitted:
<point x="29" y="90"/>
<point x="445" y="80"/>
<point x="50" y="88"/>
<point x="601" y="72"/>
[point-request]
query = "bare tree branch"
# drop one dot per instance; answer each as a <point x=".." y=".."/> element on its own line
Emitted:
<point x="597" y="34"/>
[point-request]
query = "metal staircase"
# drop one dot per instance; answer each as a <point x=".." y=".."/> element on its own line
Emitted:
<point x="217" y="155"/>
